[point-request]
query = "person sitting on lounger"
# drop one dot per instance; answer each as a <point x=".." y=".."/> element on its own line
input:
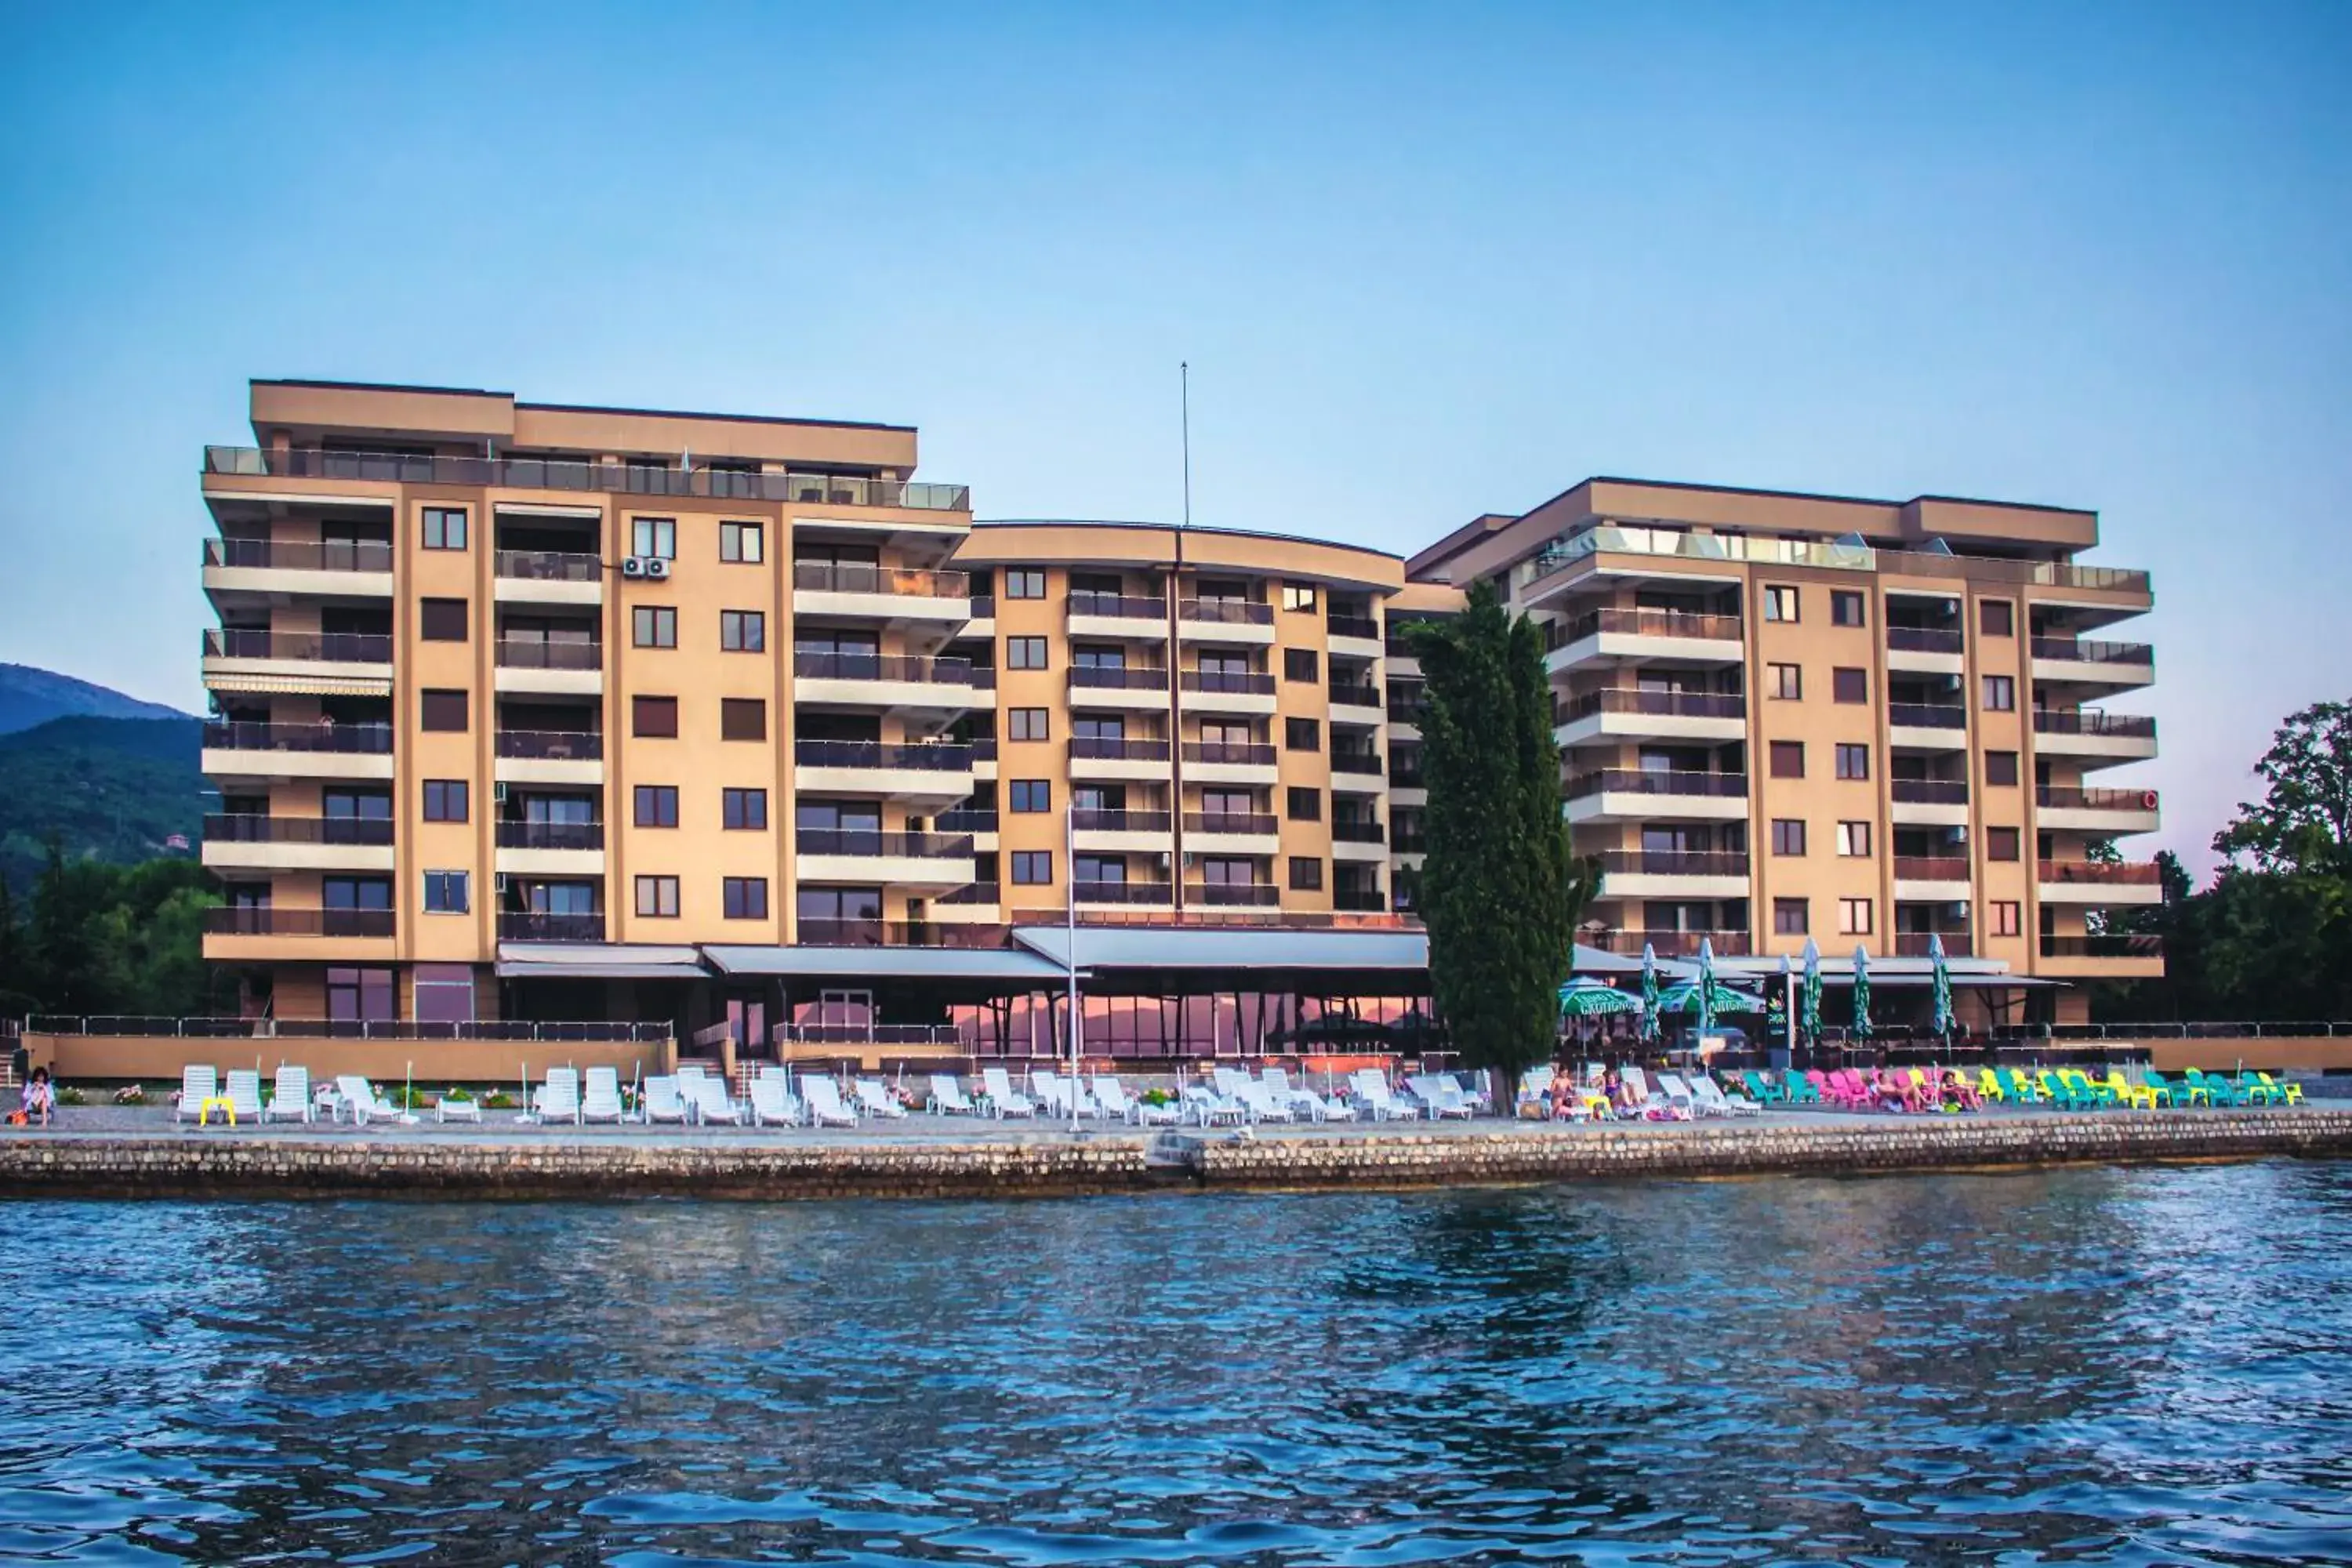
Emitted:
<point x="1621" y="1096"/>
<point x="40" y="1099"/>
<point x="1564" y="1096"/>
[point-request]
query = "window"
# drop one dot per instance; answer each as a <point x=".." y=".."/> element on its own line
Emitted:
<point x="444" y="993"/>
<point x="1853" y="840"/>
<point x="1791" y="916"/>
<point x="1780" y="604"/>
<point x="1031" y="796"/>
<point x="445" y="893"/>
<point x="1022" y="583"/>
<point x="657" y="897"/>
<point x="655" y="536"/>
<point x="441" y="620"/>
<point x="1788" y="759"/>
<point x="1996" y="618"/>
<point x="2002" y="843"/>
<point x="653" y="717"/>
<point x="1305" y="805"/>
<point x="2007" y="917"/>
<point x="1299" y="664"/>
<point x="1785" y="682"/>
<point x="656" y="805"/>
<point x="445" y="528"/>
<point x="357" y="995"/>
<point x="742" y="718"/>
<point x="743" y="898"/>
<point x="1302" y="734"/>
<point x="1853" y="761"/>
<point x="2000" y="767"/>
<point x="1299" y="596"/>
<point x="1306" y="874"/>
<point x="744" y="810"/>
<point x="1787" y="835"/>
<point x="1024" y="653"/>
<point x="654" y="625"/>
<point x="1032" y="867"/>
<point x="445" y="800"/>
<point x="443" y="711"/>
<point x="743" y="541"/>
<point x="1850" y="686"/>
<point x="742" y="631"/>
<point x="1854" y="917"/>
<point x="1845" y="607"/>
<point x="1030" y="725"/>
<point x="2000" y="693"/>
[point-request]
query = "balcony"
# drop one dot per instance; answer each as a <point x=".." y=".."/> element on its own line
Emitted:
<point x="895" y="682"/>
<point x="1113" y="757"/>
<point x="1232" y="833"/>
<point x="257" y="749"/>
<point x="1932" y="878"/>
<point x="550" y="757"/>
<point x="1233" y="895"/>
<point x="1925" y="650"/>
<point x="549" y="834"/>
<point x="1556" y="567"/>
<point x="1116" y="615"/>
<point x="297" y="842"/>
<point x="1359" y="838"/>
<point x="1928" y="726"/>
<point x="1611" y="636"/>
<point x="974" y="903"/>
<point x="234" y="932"/>
<point x="931" y="774"/>
<point x="566" y="474"/>
<point x="268" y="570"/>
<point x="2103" y="666"/>
<point x="1124" y="832"/>
<point x="550" y="849"/>
<point x="538" y="925"/>
<point x="1914" y="944"/>
<point x="1634" y="713"/>
<point x="351" y="664"/>
<point x="562" y="667"/>
<point x="1672" y="873"/>
<point x="1225" y="620"/>
<point x="1669" y="943"/>
<point x="1362" y="629"/>
<point x="1133" y="687"/>
<point x="2101" y="811"/>
<point x="1149" y="893"/>
<point x="1228" y="761"/>
<point x="2090" y="733"/>
<point x="966" y="820"/>
<point x="1228" y="691"/>
<point x="547" y="577"/>
<point x="1359" y="900"/>
<point x="2117" y="954"/>
<point x="2099" y="882"/>
<point x="1361" y="697"/>
<point x="898" y="933"/>
<point x="1634" y="795"/>
<point x="939" y="861"/>
<point x="937" y="602"/>
<point x="1929" y="803"/>
<point x="1358" y="763"/>
<point x="1404" y="843"/>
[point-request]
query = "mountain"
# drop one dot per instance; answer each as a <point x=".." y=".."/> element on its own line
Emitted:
<point x="115" y="788"/>
<point x="30" y="697"/>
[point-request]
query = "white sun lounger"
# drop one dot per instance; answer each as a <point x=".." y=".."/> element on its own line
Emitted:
<point x="363" y="1101"/>
<point x="1115" y="1100"/>
<point x="825" y="1109"/>
<point x="290" y="1096"/>
<point x="874" y="1099"/>
<point x="1654" y="1107"/>
<point x="948" y="1097"/>
<point x="1209" y="1108"/>
<point x="1679" y="1093"/>
<point x="557" y="1100"/>
<point x="245" y="1094"/>
<point x="1048" y="1090"/>
<point x="1714" y="1100"/>
<point x="663" y="1103"/>
<point x="1264" y="1103"/>
<point x="601" y="1100"/>
<point x="711" y="1101"/>
<point x="1440" y="1094"/>
<point x="771" y="1105"/>
<point x="196" y="1086"/>
<point x="1003" y="1100"/>
<point x="1371" y="1087"/>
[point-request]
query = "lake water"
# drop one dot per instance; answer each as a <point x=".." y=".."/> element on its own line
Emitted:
<point x="2147" y="1365"/>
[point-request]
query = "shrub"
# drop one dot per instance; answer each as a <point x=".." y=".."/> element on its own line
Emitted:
<point x="130" y="1094"/>
<point x="70" y="1095"/>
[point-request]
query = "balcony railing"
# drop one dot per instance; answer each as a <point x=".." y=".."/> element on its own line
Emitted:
<point x="566" y="474"/>
<point x="301" y="555"/>
<point x="1931" y="868"/>
<point x="538" y="925"/>
<point x="1403" y="843"/>
<point x="2065" y="797"/>
<point x="2103" y="873"/>
<point x="1356" y="762"/>
<point x="550" y="566"/>
<point x="1122" y="821"/>
<point x="1637" y="538"/>
<point x="897" y="933"/>
<point x="553" y="745"/>
<point x="1242" y="753"/>
<point x="325" y="647"/>
<point x="1230" y="681"/>
<point x="258" y="735"/>
<point x="1926" y="639"/>
<point x="1362" y="627"/>
<point x="937" y="757"/>
<point x="1406" y="710"/>
<point x="1669" y="943"/>
<point x="1118" y="749"/>
<point x="1652" y="704"/>
<point x="1242" y="823"/>
<point x="869" y="844"/>
<point x="1359" y="900"/>
<point x="1657" y="780"/>
<point x="859" y="577"/>
<point x="965" y="819"/>
<point x="1914" y="944"/>
<point x="1931" y="792"/>
<point x="235" y="919"/>
<point x="1406" y="776"/>
<point x="274" y="1028"/>
<point x="1355" y="694"/>
<point x="1119" y="678"/>
<point x="1233" y="895"/>
<point x="551" y="835"/>
<point x="1673" y="862"/>
<point x="1652" y="624"/>
<point x="1123" y="893"/>
<point x="983" y="893"/>
<point x="1348" y="832"/>
<point x="1926" y="716"/>
<point x="550" y="653"/>
<point x="2078" y="651"/>
<point x="1229" y="611"/>
<point x="1117" y="607"/>
<point x="2092" y="721"/>
<point x="810" y="664"/>
<point x="2118" y="945"/>
<point x="241" y="828"/>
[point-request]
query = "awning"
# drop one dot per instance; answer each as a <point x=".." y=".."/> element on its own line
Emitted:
<point x="1270" y="948"/>
<point x="299" y="685"/>
<point x="991" y="964"/>
<point x="598" y="961"/>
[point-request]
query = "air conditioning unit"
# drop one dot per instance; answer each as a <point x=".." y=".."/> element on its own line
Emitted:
<point x="656" y="567"/>
<point x="633" y="566"/>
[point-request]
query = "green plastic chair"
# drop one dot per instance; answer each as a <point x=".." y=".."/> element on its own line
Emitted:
<point x="2087" y="1090"/>
<point x="1800" y="1088"/>
<point x="2218" y="1089"/>
<point x="2256" y="1093"/>
<point x="1762" y="1089"/>
<point x="2021" y="1087"/>
<point x="2161" y="1087"/>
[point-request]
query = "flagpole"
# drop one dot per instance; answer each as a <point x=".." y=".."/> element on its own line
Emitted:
<point x="1070" y="883"/>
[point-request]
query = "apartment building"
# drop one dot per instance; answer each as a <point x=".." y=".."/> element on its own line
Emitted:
<point x="1870" y="723"/>
<point x="538" y="710"/>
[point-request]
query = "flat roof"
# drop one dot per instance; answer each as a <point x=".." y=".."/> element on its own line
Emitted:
<point x="331" y="385"/>
<point x="1180" y="528"/>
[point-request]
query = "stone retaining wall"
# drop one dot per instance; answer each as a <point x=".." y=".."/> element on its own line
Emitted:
<point x="172" y="1166"/>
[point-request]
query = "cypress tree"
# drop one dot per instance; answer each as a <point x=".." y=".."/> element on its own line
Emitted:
<point x="1502" y="888"/>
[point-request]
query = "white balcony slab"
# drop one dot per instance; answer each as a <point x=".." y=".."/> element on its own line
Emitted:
<point x="1927" y="738"/>
<point x="1643" y="647"/>
<point x="1103" y="841"/>
<point x="1917" y="661"/>
<point x="1225" y="631"/>
<point x="911" y="871"/>
<point x="1118" y="628"/>
<point x="284" y="584"/>
<point x="220" y="761"/>
<point x="2099" y="819"/>
<point x="1258" y="704"/>
<point x="938" y="610"/>
<point x="548" y="770"/>
<point x="1929" y="814"/>
<point x="1611" y="728"/>
<point x="2108" y="748"/>
<point x="547" y="591"/>
<point x="1355" y="849"/>
<point x="237" y="854"/>
<point x="550" y="862"/>
<point x="1655" y="884"/>
<point x="1919" y="890"/>
<point x="1639" y="805"/>
<point x="1357" y="647"/>
<point x="897" y="696"/>
<point x="2101" y="895"/>
<point x="932" y="786"/>
<point x="523" y="681"/>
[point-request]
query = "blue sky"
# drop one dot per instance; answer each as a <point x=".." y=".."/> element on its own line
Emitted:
<point x="1424" y="261"/>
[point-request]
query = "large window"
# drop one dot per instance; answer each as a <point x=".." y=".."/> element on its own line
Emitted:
<point x="1030" y="794"/>
<point x="1024" y="653"/>
<point x="1302" y="736"/>
<point x="1853" y="840"/>
<point x="1788" y="759"/>
<point x="2002" y="844"/>
<point x="1305" y="803"/>
<point x="1784" y="682"/>
<point x="1029" y="724"/>
<point x="743" y="810"/>
<point x="1780" y="604"/>
<point x="1022" y="583"/>
<point x="1299" y="596"/>
<point x="443" y="711"/>
<point x="743" y="898"/>
<point x="742" y="541"/>
<point x="441" y="620"/>
<point x="655" y="536"/>
<point x="445" y="893"/>
<point x="654" y="625"/>
<point x="656" y="805"/>
<point x="1306" y="874"/>
<point x="362" y="995"/>
<point x="1300" y="664"/>
<point x="742" y="631"/>
<point x="655" y="718"/>
<point x="1850" y="685"/>
<point x="1853" y="761"/>
<point x="1854" y="917"/>
<point x="657" y="897"/>
<point x="445" y="800"/>
<point x="1845" y="607"/>
<point x="2000" y="767"/>
<point x="445" y="528"/>
<point x="1032" y="867"/>
<point x="1791" y="916"/>
<point x="2000" y="693"/>
<point x="742" y="718"/>
<point x="1996" y="617"/>
<point x="2006" y="917"/>
<point x="1787" y="835"/>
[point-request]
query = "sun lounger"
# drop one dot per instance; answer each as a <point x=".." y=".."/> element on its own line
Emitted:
<point x="599" y="1097"/>
<point x="2253" y="1091"/>
<point x="1680" y="1095"/>
<point x="1003" y="1100"/>
<point x="874" y="1099"/>
<point x="1263" y="1105"/>
<point x="948" y="1097"/>
<point x="1049" y="1091"/>
<point x="365" y="1104"/>
<point x="663" y="1102"/>
<point x="1370" y="1087"/>
<point x="557" y="1100"/>
<point x="290" y="1096"/>
<point x="1113" y="1096"/>
<point x="1305" y="1101"/>
<point x="196" y="1086"/>
<point x="1715" y="1102"/>
<point x="1797" y="1089"/>
<point x="244" y="1093"/>
<point x="771" y="1102"/>
<point x="1762" y="1089"/>
<point x="1654" y="1107"/>
<point x="1208" y="1107"/>
<point x="1440" y="1094"/>
<point x="2140" y="1097"/>
<point x="712" y="1101"/>
<point x="824" y="1098"/>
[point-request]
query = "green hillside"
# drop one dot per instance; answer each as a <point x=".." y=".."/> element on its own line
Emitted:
<point x="113" y="788"/>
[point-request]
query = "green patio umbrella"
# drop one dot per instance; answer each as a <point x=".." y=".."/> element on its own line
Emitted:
<point x="1943" y="988"/>
<point x="1860" y="993"/>
<point x="1809" y="1016"/>
<point x="1649" y="1027"/>
<point x="1585" y="997"/>
<point x="1705" y="985"/>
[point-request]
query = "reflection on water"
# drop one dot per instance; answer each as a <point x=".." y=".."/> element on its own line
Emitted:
<point x="2106" y="1366"/>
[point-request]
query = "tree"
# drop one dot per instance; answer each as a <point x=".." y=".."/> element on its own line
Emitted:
<point x="1501" y="888"/>
<point x="2305" y="820"/>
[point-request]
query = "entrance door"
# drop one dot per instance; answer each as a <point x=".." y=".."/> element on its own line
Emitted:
<point x="850" y="1012"/>
<point x="748" y="1016"/>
